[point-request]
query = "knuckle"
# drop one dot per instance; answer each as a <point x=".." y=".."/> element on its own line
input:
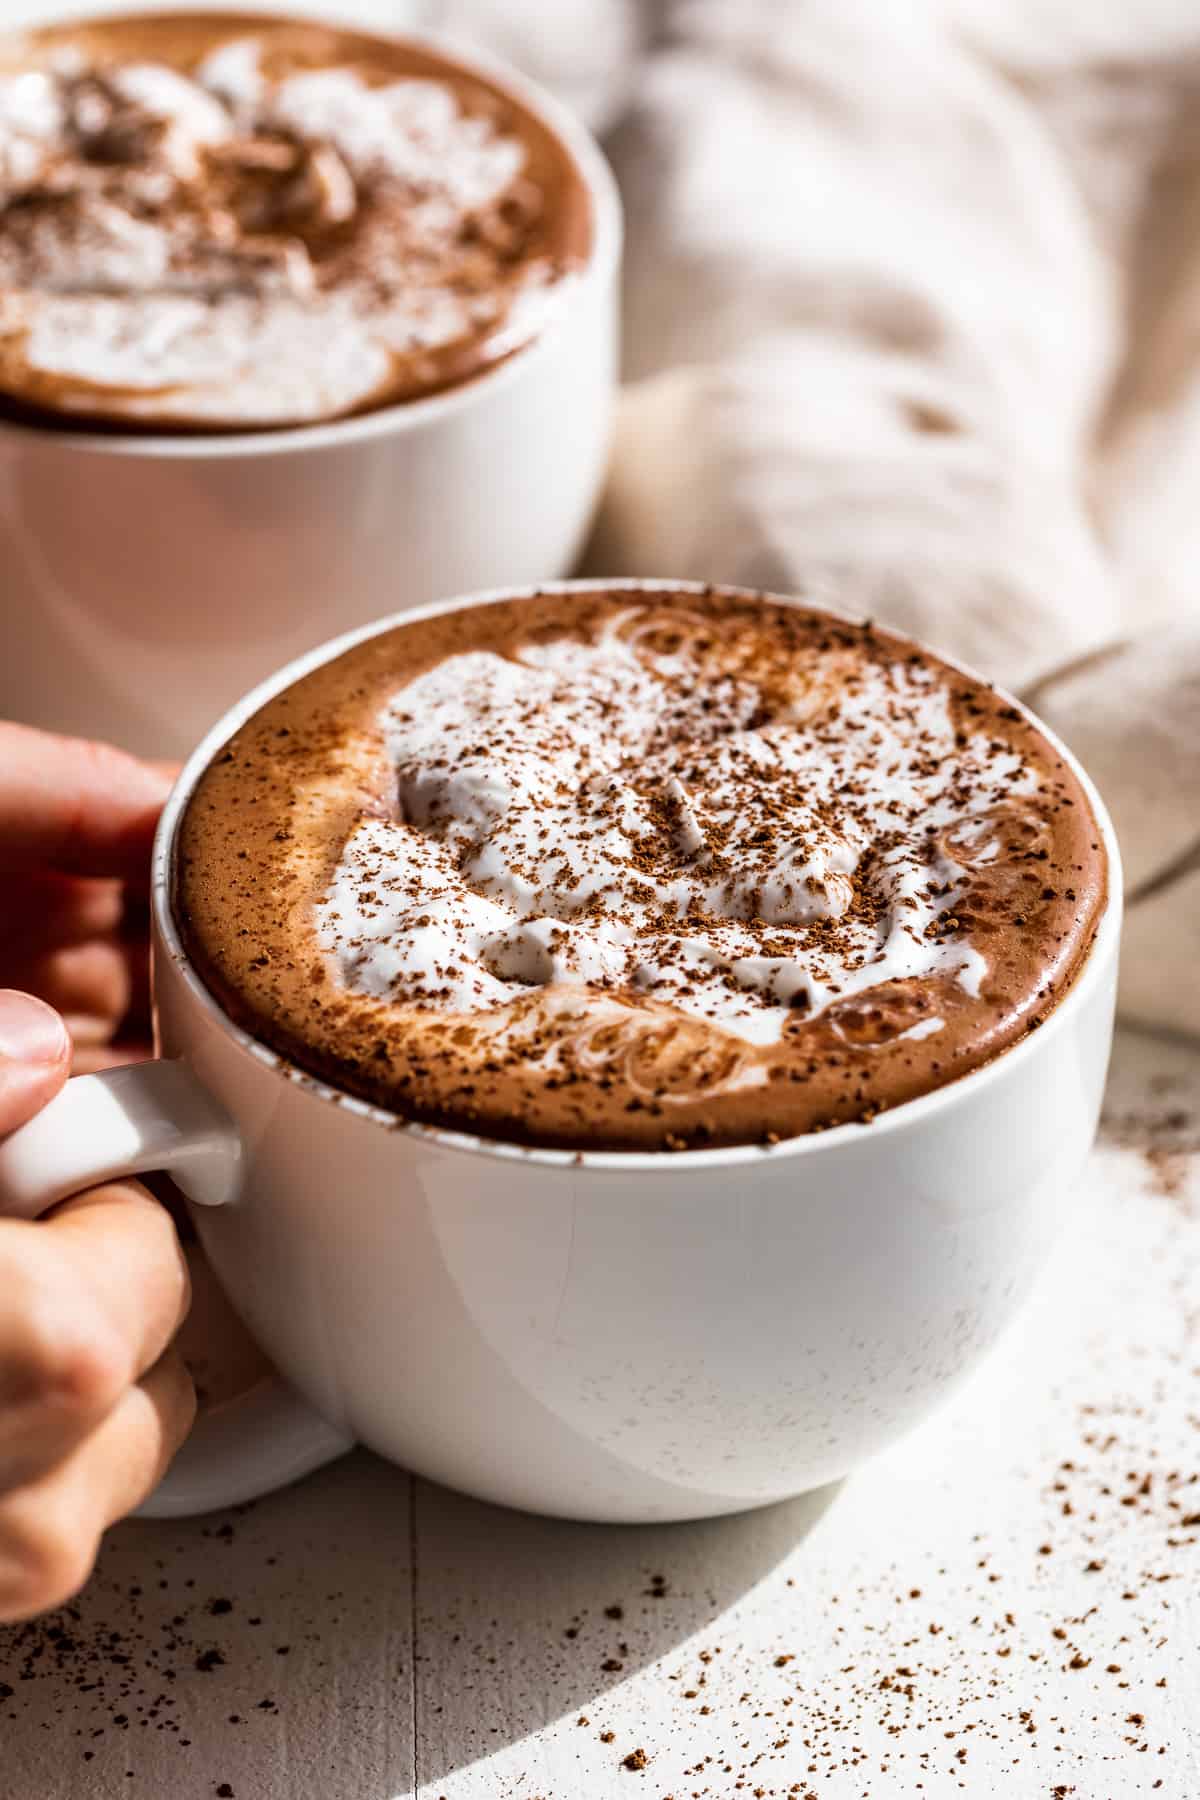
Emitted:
<point x="42" y="1563"/>
<point x="73" y="1364"/>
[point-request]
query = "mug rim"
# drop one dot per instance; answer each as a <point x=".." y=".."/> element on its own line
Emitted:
<point x="909" y="1114"/>
<point x="608" y="230"/>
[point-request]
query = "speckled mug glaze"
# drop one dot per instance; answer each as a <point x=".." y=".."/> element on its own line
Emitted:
<point x="608" y="1336"/>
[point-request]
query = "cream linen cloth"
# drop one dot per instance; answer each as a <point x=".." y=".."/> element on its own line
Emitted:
<point x="913" y="323"/>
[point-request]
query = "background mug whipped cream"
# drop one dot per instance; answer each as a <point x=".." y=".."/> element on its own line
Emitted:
<point x="217" y="231"/>
<point x="223" y="222"/>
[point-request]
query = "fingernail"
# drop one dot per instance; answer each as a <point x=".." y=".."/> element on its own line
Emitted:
<point x="30" y="1031"/>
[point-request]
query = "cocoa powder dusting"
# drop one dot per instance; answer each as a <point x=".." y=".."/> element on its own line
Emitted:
<point x="639" y="871"/>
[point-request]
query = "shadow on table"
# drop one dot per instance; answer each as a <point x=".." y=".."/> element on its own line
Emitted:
<point x="519" y="1621"/>
<point x="356" y="1636"/>
<point x="266" y="1650"/>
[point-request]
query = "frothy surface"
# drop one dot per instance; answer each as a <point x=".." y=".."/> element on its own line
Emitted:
<point x="214" y="221"/>
<point x="639" y="871"/>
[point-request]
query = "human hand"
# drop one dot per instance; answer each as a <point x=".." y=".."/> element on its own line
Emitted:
<point x="76" y="824"/>
<point x="93" y="1402"/>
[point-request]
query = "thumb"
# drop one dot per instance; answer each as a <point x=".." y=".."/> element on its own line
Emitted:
<point x="35" y="1052"/>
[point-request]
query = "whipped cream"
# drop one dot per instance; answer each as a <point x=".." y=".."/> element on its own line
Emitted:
<point x="165" y="247"/>
<point x="615" y="815"/>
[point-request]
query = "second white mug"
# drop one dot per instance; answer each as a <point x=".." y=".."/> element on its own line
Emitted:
<point x="147" y="581"/>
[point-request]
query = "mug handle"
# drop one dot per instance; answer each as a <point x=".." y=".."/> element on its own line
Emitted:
<point x="156" y="1115"/>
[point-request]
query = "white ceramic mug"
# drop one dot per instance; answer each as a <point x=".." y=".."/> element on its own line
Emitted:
<point x="147" y="581"/>
<point x="602" y="1335"/>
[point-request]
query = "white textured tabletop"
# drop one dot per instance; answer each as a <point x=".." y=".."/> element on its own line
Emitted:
<point x="1006" y="1602"/>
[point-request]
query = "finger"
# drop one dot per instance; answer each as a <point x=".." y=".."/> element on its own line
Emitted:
<point x="34" y="1055"/>
<point x="43" y="911"/>
<point x="50" y="1528"/>
<point x="75" y="806"/>
<point x="89" y="983"/>
<point x="124" y="1247"/>
<point x="157" y="1415"/>
<point x="92" y="1297"/>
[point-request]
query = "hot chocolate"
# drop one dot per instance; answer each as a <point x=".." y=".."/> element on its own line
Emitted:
<point x="639" y="870"/>
<point x="224" y="221"/>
